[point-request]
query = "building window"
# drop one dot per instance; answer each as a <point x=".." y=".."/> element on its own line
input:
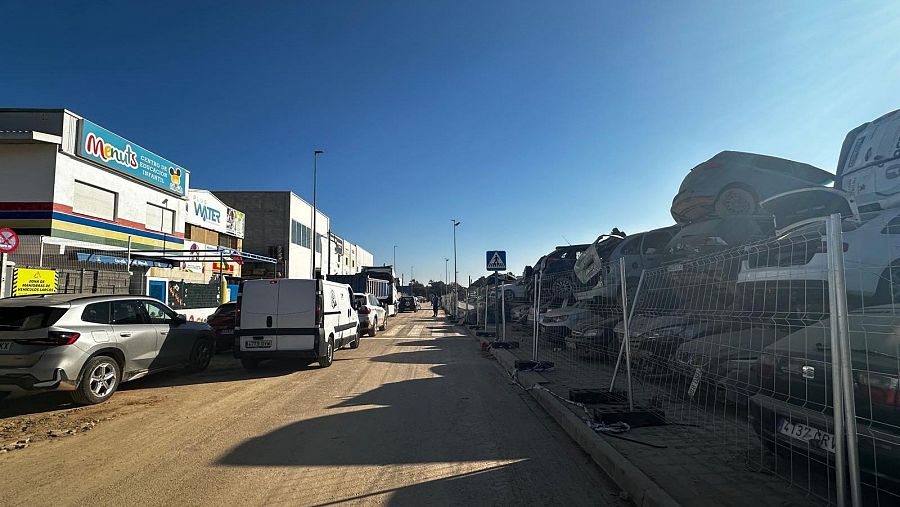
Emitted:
<point x="228" y="241"/>
<point x="320" y="240"/>
<point x="201" y="235"/>
<point x="160" y="218"/>
<point x="300" y="234"/>
<point x="94" y="201"/>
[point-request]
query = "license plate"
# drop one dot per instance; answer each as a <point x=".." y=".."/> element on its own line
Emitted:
<point x="258" y="344"/>
<point x="5" y="346"/>
<point x="808" y="434"/>
<point x="227" y="331"/>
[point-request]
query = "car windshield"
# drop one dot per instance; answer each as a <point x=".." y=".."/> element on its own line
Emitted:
<point x="27" y="318"/>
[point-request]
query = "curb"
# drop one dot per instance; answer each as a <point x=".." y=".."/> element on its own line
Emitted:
<point x="644" y="492"/>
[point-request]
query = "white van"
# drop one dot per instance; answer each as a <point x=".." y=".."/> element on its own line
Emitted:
<point x="289" y="318"/>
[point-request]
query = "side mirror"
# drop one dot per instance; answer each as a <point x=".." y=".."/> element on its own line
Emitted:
<point x="180" y="319"/>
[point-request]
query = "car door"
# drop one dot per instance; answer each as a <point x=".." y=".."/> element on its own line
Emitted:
<point x="377" y="309"/>
<point x="134" y="333"/>
<point x="173" y="342"/>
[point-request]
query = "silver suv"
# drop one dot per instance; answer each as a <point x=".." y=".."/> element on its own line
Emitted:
<point x="90" y="344"/>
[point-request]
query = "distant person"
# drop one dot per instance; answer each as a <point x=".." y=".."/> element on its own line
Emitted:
<point x="434" y="304"/>
<point x="617" y="232"/>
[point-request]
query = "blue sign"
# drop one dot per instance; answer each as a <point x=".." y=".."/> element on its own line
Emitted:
<point x="99" y="145"/>
<point x="496" y="260"/>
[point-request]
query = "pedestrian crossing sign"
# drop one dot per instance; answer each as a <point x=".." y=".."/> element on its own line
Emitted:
<point x="496" y="260"/>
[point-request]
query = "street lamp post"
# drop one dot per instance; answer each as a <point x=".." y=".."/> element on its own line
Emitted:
<point x="446" y="275"/>
<point x="316" y="154"/>
<point x="455" y="269"/>
<point x="394" y="265"/>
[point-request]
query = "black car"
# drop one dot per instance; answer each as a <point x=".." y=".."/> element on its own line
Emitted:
<point x="792" y="412"/>
<point x="408" y="304"/>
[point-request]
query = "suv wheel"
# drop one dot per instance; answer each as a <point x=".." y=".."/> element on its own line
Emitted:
<point x="355" y="343"/>
<point x="888" y="290"/>
<point x="99" y="380"/>
<point x="326" y="360"/>
<point x="735" y="201"/>
<point x="200" y="356"/>
<point x="383" y="325"/>
<point x="374" y="330"/>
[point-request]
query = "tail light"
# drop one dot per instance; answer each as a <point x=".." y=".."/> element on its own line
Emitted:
<point x="883" y="389"/>
<point x="54" y="338"/>
<point x="364" y="310"/>
<point x="320" y="318"/>
<point x="237" y="306"/>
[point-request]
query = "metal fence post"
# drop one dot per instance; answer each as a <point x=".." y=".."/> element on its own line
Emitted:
<point x="503" y="314"/>
<point x="537" y="311"/>
<point x="626" y="340"/>
<point x="841" y="366"/>
<point x="41" y="252"/>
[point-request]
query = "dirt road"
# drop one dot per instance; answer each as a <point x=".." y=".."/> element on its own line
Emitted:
<point x="416" y="416"/>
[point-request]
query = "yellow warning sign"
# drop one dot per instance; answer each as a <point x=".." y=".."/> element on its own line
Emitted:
<point x="34" y="281"/>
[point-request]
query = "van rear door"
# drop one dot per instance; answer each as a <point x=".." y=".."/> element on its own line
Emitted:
<point x="297" y="326"/>
<point x="258" y="304"/>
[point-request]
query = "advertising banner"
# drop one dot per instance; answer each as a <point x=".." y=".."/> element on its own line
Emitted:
<point x="29" y="282"/>
<point x="207" y="211"/>
<point x="234" y="225"/>
<point x="99" y="145"/>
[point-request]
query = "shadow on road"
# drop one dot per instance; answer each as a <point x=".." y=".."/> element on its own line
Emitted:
<point x="221" y="369"/>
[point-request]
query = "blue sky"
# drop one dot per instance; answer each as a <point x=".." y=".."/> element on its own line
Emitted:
<point x="534" y="123"/>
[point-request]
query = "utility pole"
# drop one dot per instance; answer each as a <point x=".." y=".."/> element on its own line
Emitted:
<point x="394" y="265"/>
<point x="315" y="212"/>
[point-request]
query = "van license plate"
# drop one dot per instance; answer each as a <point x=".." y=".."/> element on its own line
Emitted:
<point x="802" y="432"/>
<point x="258" y="344"/>
<point x="5" y="346"/>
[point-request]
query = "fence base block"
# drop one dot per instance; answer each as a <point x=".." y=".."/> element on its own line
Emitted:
<point x="487" y="334"/>
<point x="597" y="396"/>
<point x="504" y="345"/>
<point x="526" y="365"/>
<point x="635" y="419"/>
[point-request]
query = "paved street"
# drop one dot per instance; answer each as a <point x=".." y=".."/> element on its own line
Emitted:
<point x="415" y="416"/>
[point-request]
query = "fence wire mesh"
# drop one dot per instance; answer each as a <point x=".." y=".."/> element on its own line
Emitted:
<point x="730" y="349"/>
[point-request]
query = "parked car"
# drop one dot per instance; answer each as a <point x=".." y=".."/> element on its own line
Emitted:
<point x="305" y="320"/>
<point x="558" y="323"/>
<point x="388" y="304"/>
<point x="723" y="361"/>
<point x="869" y="163"/>
<point x="555" y="268"/>
<point x="796" y="262"/>
<point x="655" y="338"/>
<point x="592" y="267"/>
<point x="372" y="316"/>
<point x="734" y="183"/>
<point x="792" y="410"/>
<point x="222" y="323"/>
<point x="640" y="251"/>
<point x="89" y="345"/>
<point x="596" y="339"/>
<point x="515" y="291"/>
<point x="409" y="304"/>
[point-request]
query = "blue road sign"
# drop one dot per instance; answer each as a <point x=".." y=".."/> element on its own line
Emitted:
<point x="496" y="260"/>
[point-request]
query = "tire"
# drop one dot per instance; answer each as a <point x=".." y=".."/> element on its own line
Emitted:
<point x="509" y="295"/>
<point x="250" y="364"/>
<point x="355" y="343"/>
<point x="99" y="379"/>
<point x="735" y="201"/>
<point x="374" y="330"/>
<point x="200" y="356"/>
<point x="563" y="288"/>
<point x="383" y="325"/>
<point x="326" y="360"/>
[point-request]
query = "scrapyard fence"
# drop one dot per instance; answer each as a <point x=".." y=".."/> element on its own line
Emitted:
<point x="746" y="346"/>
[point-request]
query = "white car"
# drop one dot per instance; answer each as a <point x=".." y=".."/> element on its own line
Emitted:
<point x="558" y="323"/>
<point x="871" y="244"/>
<point x="372" y="316"/>
<point x="306" y="320"/>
